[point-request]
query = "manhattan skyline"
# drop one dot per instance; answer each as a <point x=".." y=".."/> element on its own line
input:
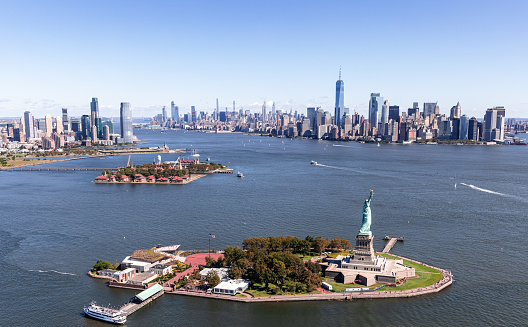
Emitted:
<point x="63" y="55"/>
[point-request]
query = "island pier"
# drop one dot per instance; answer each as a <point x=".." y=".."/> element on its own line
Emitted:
<point x="389" y="245"/>
<point x="142" y="299"/>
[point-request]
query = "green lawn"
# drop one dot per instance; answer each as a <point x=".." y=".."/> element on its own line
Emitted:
<point x="422" y="279"/>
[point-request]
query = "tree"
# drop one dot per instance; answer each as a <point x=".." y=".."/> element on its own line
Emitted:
<point x="212" y="279"/>
<point x="101" y="265"/>
<point x="320" y="244"/>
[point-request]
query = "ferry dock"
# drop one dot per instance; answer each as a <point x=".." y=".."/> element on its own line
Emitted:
<point x="142" y="299"/>
<point x="392" y="242"/>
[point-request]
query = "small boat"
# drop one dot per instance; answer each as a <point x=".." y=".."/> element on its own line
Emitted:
<point x="378" y="144"/>
<point x="314" y="162"/>
<point x="239" y="174"/>
<point x="386" y="238"/>
<point x="194" y="154"/>
<point x="208" y="159"/>
<point x="105" y="314"/>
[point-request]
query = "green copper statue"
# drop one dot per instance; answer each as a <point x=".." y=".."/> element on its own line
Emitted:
<point x="365" y="226"/>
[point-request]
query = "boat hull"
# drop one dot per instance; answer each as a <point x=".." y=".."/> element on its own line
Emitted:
<point x="120" y="320"/>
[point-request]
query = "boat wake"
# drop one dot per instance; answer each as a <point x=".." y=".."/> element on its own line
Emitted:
<point x="52" y="271"/>
<point x="482" y="189"/>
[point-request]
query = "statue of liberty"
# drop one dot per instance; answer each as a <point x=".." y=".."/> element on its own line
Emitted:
<point x="365" y="226"/>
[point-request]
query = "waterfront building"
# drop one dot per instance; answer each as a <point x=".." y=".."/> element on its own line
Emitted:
<point x="464" y="127"/>
<point x="473" y="133"/>
<point x="455" y="130"/>
<point x="385" y="112"/>
<point x="231" y="287"/>
<point x="340" y="100"/>
<point x="494" y="124"/>
<point x="375" y="103"/>
<point x="127" y="132"/>
<point x="310" y="114"/>
<point x="29" y="125"/>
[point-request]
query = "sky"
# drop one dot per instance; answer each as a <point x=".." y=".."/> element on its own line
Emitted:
<point x="60" y="54"/>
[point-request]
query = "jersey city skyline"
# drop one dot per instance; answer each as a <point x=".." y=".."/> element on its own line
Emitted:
<point x="287" y="53"/>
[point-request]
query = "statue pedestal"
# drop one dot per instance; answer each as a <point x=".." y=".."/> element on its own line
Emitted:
<point x="364" y="250"/>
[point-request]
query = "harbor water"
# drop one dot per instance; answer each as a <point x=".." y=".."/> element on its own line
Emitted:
<point x="462" y="208"/>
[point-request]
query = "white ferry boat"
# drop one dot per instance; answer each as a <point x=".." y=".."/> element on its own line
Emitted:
<point x="105" y="314"/>
<point x="239" y="174"/>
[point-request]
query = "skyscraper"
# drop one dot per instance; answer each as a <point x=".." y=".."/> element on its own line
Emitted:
<point x="217" y="111"/>
<point x="375" y="103"/>
<point x="394" y="113"/>
<point x="494" y="124"/>
<point x="464" y="127"/>
<point x="126" y="123"/>
<point x="429" y="109"/>
<point x="164" y="114"/>
<point x="65" y="123"/>
<point x="264" y="112"/>
<point x="94" y="111"/>
<point x="28" y="125"/>
<point x="175" y="112"/>
<point x="456" y="111"/>
<point x="385" y="112"/>
<point x="49" y="125"/>
<point x="340" y="100"/>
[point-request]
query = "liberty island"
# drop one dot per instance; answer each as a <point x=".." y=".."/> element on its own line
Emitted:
<point x="235" y="275"/>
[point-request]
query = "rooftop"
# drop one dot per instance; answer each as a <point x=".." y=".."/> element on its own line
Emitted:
<point x="147" y="255"/>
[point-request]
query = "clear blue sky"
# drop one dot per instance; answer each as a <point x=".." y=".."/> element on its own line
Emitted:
<point x="58" y="54"/>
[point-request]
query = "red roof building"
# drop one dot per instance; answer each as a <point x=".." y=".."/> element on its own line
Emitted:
<point x="100" y="179"/>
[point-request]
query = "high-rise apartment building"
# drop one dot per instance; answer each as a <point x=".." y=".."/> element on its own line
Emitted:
<point x="339" y="101"/>
<point x="375" y="103"/>
<point x="127" y="132"/>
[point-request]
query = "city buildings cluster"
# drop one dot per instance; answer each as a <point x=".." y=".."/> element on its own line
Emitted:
<point x="51" y="133"/>
<point x="384" y="122"/>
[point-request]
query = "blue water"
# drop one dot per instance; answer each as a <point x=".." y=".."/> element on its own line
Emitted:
<point x="56" y="224"/>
